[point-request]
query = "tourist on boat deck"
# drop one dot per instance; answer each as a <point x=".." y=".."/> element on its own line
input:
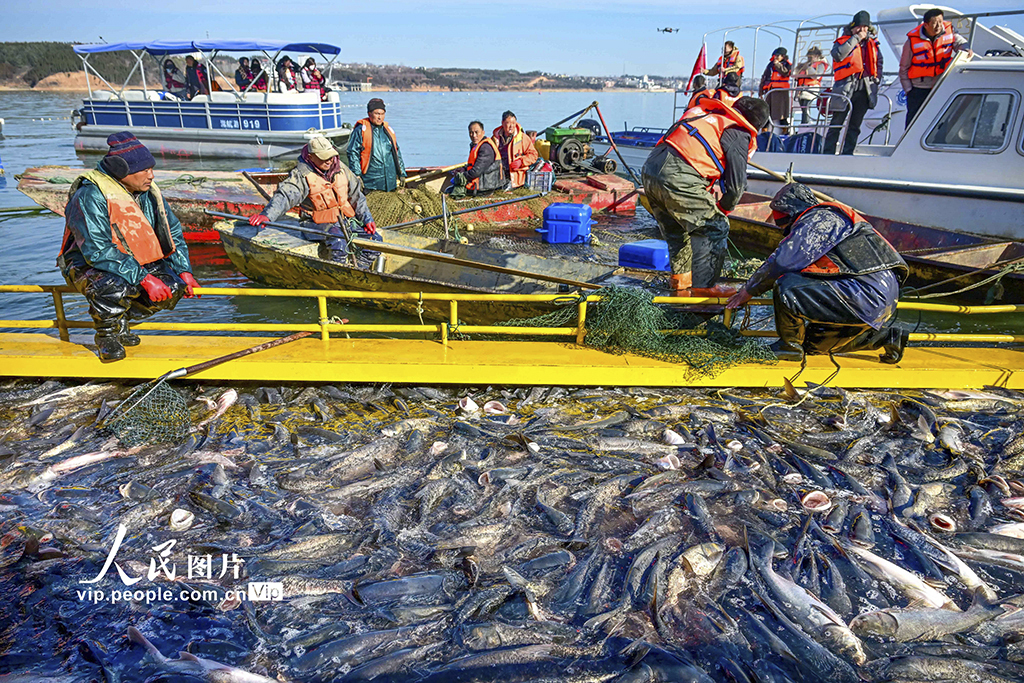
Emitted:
<point x="808" y="75"/>
<point x="731" y="61"/>
<point x="373" y="152"/>
<point x="326" y="192"/>
<point x="836" y="280"/>
<point x="729" y="91"/>
<point x="483" y="172"/>
<point x="774" y="82"/>
<point x="259" y="75"/>
<point x="288" y="79"/>
<point x="174" y="81"/>
<point x="857" y="69"/>
<point x="516" y="148"/>
<point x="927" y="53"/>
<point x="708" y="146"/>
<point x="243" y="76"/>
<point x="122" y="247"/>
<point x="312" y="79"/>
<point x="196" y="79"/>
<point x="700" y="89"/>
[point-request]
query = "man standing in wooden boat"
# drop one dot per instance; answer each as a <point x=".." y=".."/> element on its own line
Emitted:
<point x="373" y="152"/>
<point x="483" y="172"/>
<point x="122" y="247"/>
<point x="516" y="148"/>
<point x="708" y="146"/>
<point x="836" y="280"/>
<point x="326" y="193"/>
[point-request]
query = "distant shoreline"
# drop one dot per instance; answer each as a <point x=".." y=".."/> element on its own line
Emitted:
<point x="10" y="88"/>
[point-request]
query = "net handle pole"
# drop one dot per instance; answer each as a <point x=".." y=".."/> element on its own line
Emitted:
<point x="611" y="142"/>
<point x="181" y="372"/>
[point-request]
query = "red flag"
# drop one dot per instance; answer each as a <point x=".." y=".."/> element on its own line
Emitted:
<point x="699" y="66"/>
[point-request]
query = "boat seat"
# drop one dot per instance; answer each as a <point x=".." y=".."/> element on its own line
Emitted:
<point x="770" y="142"/>
<point x="807" y="142"/>
<point x="102" y="96"/>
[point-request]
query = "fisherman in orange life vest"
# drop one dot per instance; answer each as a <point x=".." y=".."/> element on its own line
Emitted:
<point x="857" y="69"/>
<point x="517" y="149"/>
<point x="326" y="193"/>
<point x="731" y="61"/>
<point x="729" y="90"/>
<point x="708" y="147"/>
<point x="927" y="53"/>
<point x="483" y="172"/>
<point x="836" y="281"/>
<point x="122" y="247"/>
<point x="373" y="152"/>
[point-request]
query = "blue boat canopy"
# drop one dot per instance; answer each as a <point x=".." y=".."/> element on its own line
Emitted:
<point x="176" y="47"/>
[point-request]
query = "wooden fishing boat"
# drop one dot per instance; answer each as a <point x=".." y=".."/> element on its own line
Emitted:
<point x="191" y="194"/>
<point x="939" y="260"/>
<point x="279" y="258"/>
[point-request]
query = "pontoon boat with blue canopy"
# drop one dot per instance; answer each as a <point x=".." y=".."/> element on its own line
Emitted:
<point x="229" y="123"/>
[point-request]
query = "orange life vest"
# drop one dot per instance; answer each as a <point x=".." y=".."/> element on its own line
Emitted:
<point x="367" y="151"/>
<point x="329" y="199"/>
<point x="875" y="252"/>
<point x="776" y="80"/>
<point x="730" y="62"/>
<point x="723" y="96"/>
<point x="706" y="92"/>
<point x="930" y="58"/>
<point x="697" y="136"/>
<point x="475" y="182"/>
<point x="130" y="230"/>
<point x="519" y="147"/>
<point x="855" y="62"/>
<point x="813" y="81"/>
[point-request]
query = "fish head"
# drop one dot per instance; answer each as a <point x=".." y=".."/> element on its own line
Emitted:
<point x="875" y="624"/>
<point x="838" y="638"/>
<point x="484" y="637"/>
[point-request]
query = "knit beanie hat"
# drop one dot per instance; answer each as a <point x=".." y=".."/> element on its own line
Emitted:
<point x="374" y="104"/>
<point x="126" y="155"/>
<point x="861" y="18"/>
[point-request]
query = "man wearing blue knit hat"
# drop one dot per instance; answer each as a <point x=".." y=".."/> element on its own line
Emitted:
<point x="123" y="248"/>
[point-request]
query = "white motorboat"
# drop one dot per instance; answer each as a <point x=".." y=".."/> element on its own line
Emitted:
<point x="233" y="123"/>
<point x="960" y="165"/>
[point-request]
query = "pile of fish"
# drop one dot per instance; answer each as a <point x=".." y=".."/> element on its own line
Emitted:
<point x="387" y="533"/>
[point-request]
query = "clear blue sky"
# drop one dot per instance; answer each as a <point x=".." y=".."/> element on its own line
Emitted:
<point x="585" y="37"/>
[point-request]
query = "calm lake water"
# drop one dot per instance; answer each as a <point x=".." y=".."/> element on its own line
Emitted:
<point x="431" y="128"/>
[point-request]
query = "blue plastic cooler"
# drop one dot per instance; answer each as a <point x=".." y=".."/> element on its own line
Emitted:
<point x="566" y="223"/>
<point x="647" y="254"/>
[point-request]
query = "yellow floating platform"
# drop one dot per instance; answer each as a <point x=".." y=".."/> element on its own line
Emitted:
<point x="485" y="362"/>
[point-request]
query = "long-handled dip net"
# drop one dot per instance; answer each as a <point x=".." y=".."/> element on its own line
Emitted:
<point x="157" y="413"/>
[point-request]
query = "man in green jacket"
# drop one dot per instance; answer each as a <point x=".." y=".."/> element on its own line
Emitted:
<point x="373" y="153"/>
<point x="123" y="248"/>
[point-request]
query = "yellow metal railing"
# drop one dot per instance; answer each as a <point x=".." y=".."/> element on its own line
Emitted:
<point x="443" y="329"/>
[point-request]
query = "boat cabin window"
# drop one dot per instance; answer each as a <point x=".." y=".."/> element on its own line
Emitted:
<point x="974" y="121"/>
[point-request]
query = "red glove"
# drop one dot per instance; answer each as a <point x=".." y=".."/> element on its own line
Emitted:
<point x="516" y="165"/>
<point x="190" y="282"/>
<point x="723" y="209"/>
<point x="370" y="228"/>
<point x="156" y="289"/>
<point x="258" y="220"/>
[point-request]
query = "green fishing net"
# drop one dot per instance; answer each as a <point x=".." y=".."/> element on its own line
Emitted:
<point x="626" y="320"/>
<point x="154" y="413"/>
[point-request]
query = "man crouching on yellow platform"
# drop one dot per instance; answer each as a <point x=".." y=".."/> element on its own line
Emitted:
<point x="122" y="247"/>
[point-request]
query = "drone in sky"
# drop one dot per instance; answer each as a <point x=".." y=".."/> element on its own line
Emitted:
<point x="668" y="30"/>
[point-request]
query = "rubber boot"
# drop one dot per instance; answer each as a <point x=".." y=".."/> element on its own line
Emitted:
<point x="124" y="334"/>
<point x="894" y="346"/>
<point x="679" y="285"/>
<point x="791" y="329"/>
<point x="107" y="343"/>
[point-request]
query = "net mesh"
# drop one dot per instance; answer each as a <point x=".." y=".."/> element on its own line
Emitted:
<point x="627" y="320"/>
<point x="413" y="203"/>
<point x="160" y="416"/>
